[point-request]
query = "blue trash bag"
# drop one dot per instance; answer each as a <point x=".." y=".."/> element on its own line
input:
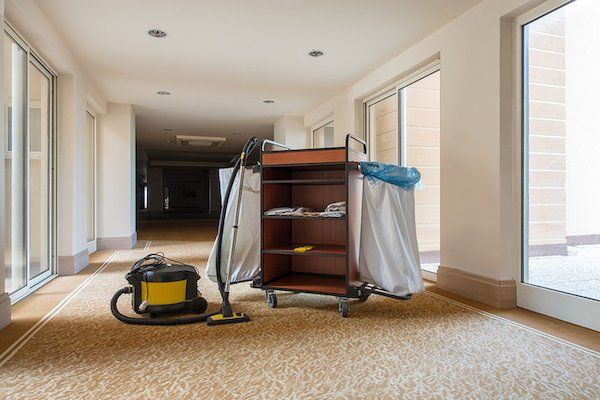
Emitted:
<point x="405" y="177"/>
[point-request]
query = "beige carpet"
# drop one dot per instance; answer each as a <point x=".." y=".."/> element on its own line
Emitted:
<point x="424" y="348"/>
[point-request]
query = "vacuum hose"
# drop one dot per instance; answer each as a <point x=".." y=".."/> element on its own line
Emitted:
<point x="152" y="321"/>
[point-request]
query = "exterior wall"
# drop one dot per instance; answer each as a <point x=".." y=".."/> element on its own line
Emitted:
<point x="421" y="109"/>
<point x="564" y="131"/>
<point x="422" y="100"/>
<point x="548" y="130"/>
<point x="384" y="130"/>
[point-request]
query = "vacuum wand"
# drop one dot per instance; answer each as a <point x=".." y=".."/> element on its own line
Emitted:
<point x="227" y="316"/>
<point x="226" y="309"/>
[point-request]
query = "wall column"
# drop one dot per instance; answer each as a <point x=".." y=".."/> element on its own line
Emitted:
<point x="291" y="131"/>
<point x="116" y="178"/>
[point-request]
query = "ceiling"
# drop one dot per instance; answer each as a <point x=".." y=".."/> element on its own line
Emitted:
<point x="221" y="59"/>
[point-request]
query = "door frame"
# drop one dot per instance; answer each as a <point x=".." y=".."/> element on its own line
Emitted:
<point x="564" y="306"/>
<point x="31" y="57"/>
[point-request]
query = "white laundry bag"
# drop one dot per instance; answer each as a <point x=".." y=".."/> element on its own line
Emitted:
<point x="246" y="263"/>
<point x="389" y="254"/>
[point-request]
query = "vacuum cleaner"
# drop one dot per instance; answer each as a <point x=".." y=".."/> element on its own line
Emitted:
<point x="163" y="287"/>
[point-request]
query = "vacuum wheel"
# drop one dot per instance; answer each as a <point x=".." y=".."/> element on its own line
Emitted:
<point x="271" y="300"/>
<point x="344" y="307"/>
<point x="199" y="305"/>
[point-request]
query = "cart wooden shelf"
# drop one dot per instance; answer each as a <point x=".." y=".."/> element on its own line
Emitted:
<point x="312" y="178"/>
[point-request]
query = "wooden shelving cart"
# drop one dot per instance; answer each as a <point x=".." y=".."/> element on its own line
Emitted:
<point x="312" y="178"/>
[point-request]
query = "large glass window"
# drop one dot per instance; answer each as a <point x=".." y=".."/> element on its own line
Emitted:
<point x="403" y="127"/>
<point x="28" y="150"/>
<point x="561" y="243"/>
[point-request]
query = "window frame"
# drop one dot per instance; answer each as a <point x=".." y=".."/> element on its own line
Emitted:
<point x="32" y="57"/>
<point x="398" y="89"/>
<point x="564" y="306"/>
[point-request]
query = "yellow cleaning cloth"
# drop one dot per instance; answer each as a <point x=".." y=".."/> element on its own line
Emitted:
<point x="304" y="249"/>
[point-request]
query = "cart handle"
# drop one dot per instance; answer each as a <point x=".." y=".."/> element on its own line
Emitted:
<point x="350" y="136"/>
<point x="273" y="143"/>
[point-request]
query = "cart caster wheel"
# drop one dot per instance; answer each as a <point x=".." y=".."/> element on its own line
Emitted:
<point x="272" y="300"/>
<point x="344" y="308"/>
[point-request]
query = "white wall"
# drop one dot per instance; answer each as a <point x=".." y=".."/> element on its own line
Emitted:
<point x="291" y="131"/>
<point x="116" y="173"/>
<point x="476" y="137"/>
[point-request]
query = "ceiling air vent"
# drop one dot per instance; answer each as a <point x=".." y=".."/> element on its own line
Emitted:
<point x="200" y="141"/>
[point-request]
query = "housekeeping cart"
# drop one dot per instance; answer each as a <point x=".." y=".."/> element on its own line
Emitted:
<point x="313" y="179"/>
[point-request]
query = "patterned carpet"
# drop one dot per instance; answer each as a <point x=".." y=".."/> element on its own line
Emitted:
<point x="425" y="348"/>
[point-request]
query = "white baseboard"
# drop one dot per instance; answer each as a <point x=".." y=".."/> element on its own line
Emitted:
<point x="4" y="310"/>
<point x="117" y="243"/>
<point x="500" y="294"/>
<point x="71" y="265"/>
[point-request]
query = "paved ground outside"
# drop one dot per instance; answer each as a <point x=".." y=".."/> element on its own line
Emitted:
<point x="577" y="273"/>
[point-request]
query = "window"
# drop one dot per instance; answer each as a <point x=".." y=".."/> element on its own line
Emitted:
<point x="91" y="181"/>
<point x="561" y="139"/>
<point x="403" y="127"/>
<point x="28" y="159"/>
<point x="322" y="135"/>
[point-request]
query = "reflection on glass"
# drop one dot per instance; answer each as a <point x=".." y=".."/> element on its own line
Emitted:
<point x="323" y="136"/>
<point x="14" y="200"/>
<point x="563" y="142"/>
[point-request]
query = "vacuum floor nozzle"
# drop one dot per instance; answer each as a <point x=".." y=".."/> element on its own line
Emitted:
<point x="220" y="319"/>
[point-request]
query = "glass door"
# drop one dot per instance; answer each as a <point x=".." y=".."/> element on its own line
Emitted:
<point x="28" y="172"/>
<point x="560" y="268"/>
<point x="403" y="127"/>
<point x="15" y="132"/>
<point x="39" y="181"/>
<point x="91" y="182"/>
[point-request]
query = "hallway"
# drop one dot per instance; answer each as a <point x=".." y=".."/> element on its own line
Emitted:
<point x="425" y="347"/>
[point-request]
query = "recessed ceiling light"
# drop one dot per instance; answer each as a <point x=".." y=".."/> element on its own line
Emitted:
<point x="157" y="33"/>
<point x="163" y="93"/>
<point x="316" y="53"/>
<point x="268" y="101"/>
